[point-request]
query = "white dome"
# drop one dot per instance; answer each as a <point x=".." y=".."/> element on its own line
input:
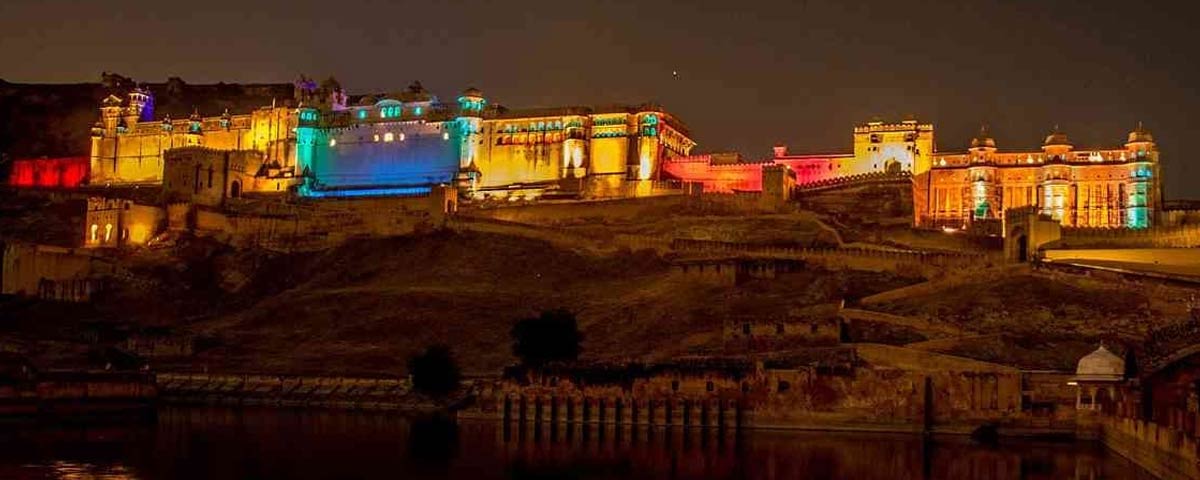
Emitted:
<point x="1100" y="365"/>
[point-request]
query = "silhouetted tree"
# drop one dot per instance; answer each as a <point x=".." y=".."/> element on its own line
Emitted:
<point x="552" y="336"/>
<point x="434" y="371"/>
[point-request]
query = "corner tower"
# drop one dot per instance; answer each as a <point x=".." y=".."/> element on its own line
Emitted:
<point x="470" y="130"/>
<point x="1144" y="191"/>
<point x="1057" y="201"/>
<point x="985" y="197"/>
<point x="892" y="148"/>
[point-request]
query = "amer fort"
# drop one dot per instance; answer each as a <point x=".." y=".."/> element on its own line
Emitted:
<point x="286" y="244"/>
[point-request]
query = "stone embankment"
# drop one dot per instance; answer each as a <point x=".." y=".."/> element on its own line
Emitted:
<point x="69" y="394"/>
<point x="290" y="391"/>
<point x="1167" y="453"/>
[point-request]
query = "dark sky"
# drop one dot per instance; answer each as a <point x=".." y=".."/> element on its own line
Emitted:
<point x="750" y="73"/>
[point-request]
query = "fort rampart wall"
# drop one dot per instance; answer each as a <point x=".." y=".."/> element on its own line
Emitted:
<point x="311" y="225"/>
<point x="1154" y="256"/>
<point x="51" y="273"/>
<point x="621" y="210"/>
<point x="1181" y="236"/>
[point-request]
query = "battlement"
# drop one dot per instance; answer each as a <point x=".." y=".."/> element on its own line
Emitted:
<point x="1033" y="159"/>
<point x="904" y="126"/>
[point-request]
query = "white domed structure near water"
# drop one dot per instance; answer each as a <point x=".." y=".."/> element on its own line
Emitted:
<point x="1101" y="365"/>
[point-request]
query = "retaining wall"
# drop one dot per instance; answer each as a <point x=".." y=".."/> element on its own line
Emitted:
<point x="1164" y="452"/>
<point x="284" y="390"/>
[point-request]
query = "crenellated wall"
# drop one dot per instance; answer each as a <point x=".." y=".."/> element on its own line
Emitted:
<point x="53" y="273"/>
<point x="315" y="224"/>
<point x="133" y="153"/>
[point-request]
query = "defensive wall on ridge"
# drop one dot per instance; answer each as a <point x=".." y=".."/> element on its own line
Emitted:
<point x="303" y="225"/>
<point x="52" y="273"/>
<point x="1169" y="257"/>
<point x="894" y="260"/>
<point x="1179" y="236"/>
<point x="900" y="261"/>
<point x="853" y="181"/>
<point x="625" y="209"/>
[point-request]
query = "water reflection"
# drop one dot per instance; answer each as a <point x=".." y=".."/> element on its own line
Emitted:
<point x="210" y="443"/>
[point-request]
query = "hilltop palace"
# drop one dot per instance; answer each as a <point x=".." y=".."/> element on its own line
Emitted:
<point x="395" y="145"/>
<point x="409" y="144"/>
<point x="1115" y="187"/>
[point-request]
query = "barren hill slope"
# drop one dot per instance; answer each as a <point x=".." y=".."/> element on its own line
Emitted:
<point x="367" y="306"/>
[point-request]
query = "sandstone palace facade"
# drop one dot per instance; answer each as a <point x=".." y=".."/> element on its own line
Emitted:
<point x="1115" y="187"/>
<point x="325" y="143"/>
<point x="331" y="145"/>
<point x="1108" y="187"/>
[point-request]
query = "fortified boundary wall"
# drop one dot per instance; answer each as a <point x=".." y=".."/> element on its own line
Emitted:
<point x="1177" y="257"/>
<point x="52" y="273"/>
<point x="622" y="210"/>
<point x="313" y="225"/>
<point x="1181" y="236"/>
<point x="902" y="261"/>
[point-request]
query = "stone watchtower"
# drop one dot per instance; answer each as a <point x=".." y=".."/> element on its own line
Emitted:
<point x="1056" y="199"/>
<point x="892" y="148"/>
<point x="1144" y="189"/>
<point x="985" y="197"/>
<point x="470" y="130"/>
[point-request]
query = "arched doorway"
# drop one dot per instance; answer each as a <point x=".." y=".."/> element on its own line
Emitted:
<point x="891" y="166"/>
<point x="1016" y="245"/>
<point x="235" y="189"/>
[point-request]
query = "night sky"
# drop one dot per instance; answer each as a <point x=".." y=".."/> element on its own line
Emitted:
<point x="750" y="74"/>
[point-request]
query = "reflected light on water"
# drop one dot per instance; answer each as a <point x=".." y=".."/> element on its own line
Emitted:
<point x="66" y="470"/>
<point x="226" y="443"/>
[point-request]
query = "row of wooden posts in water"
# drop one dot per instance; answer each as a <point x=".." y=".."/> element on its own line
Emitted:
<point x="720" y="413"/>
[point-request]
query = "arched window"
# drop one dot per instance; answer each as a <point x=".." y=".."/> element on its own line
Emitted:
<point x="108" y="232"/>
<point x="387" y="137"/>
<point x="94" y="229"/>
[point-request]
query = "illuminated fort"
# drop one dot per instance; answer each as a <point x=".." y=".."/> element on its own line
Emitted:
<point x="396" y="144"/>
<point x="324" y="143"/>
<point x="1114" y="187"/>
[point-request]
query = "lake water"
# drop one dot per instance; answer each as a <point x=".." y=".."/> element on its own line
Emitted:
<point x="219" y="443"/>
